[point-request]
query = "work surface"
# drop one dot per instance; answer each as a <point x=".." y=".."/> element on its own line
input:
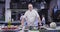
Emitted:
<point x="57" y="29"/>
<point x="36" y="31"/>
<point x="12" y="23"/>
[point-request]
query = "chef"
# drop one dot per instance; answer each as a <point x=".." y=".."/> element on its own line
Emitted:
<point x="30" y="16"/>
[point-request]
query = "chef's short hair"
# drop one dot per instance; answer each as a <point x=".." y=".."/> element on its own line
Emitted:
<point x="30" y="4"/>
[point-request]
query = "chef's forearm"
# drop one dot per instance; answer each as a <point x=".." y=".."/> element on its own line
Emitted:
<point x="39" y="20"/>
<point x="22" y="21"/>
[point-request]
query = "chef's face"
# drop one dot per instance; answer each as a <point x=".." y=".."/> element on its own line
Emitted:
<point x="30" y="7"/>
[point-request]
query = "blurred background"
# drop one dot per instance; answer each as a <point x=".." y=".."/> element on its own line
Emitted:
<point x="14" y="9"/>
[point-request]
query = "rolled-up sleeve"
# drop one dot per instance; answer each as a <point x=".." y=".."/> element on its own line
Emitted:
<point x="25" y="15"/>
<point x="37" y="14"/>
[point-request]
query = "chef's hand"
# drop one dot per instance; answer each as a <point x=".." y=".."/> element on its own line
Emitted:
<point x="40" y="25"/>
<point x="22" y="25"/>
